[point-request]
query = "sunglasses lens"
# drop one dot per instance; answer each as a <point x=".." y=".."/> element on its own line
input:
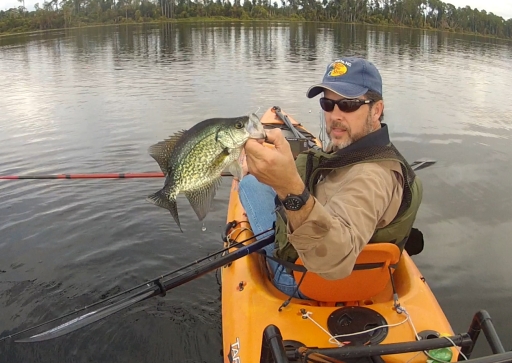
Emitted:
<point x="327" y="104"/>
<point x="344" y="105"/>
<point x="349" y="106"/>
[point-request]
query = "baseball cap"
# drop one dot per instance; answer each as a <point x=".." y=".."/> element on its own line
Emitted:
<point x="349" y="77"/>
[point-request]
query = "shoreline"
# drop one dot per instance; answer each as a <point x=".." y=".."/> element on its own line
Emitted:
<point x="237" y="20"/>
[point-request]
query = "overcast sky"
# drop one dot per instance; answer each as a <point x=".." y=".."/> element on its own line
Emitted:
<point x="499" y="7"/>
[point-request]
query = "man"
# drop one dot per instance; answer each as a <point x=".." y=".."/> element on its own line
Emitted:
<point x="332" y="203"/>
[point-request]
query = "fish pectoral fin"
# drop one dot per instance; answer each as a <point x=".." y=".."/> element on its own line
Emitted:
<point x="201" y="199"/>
<point x="161" y="151"/>
<point x="236" y="169"/>
<point x="162" y="199"/>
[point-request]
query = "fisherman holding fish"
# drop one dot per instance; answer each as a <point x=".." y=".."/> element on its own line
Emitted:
<point x="331" y="203"/>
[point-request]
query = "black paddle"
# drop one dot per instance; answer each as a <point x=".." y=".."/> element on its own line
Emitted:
<point x="160" y="289"/>
<point x="422" y="164"/>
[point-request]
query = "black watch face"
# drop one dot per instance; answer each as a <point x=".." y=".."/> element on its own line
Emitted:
<point x="293" y="203"/>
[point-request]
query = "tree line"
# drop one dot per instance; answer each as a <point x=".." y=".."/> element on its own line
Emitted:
<point x="429" y="14"/>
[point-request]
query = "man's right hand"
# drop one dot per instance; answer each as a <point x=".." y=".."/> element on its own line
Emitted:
<point x="274" y="166"/>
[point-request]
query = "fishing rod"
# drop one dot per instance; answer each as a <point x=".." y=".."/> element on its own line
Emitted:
<point x="85" y="176"/>
<point x="416" y="165"/>
<point x="92" y="176"/>
<point x="157" y="287"/>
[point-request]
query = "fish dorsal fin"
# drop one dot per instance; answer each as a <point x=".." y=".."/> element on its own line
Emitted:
<point x="161" y="151"/>
<point x="201" y="199"/>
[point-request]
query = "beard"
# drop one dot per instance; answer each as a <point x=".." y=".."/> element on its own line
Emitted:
<point x="350" y="137"/>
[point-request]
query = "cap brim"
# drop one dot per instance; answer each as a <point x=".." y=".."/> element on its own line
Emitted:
<point x="347" y="90"/>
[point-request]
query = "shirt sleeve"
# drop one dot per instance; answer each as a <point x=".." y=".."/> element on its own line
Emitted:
<point x="330" y="239"/>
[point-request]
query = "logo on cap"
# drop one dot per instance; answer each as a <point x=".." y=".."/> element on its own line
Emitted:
<point x="338" y="68"/>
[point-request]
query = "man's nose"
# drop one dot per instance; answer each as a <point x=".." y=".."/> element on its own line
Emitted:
<point x="337" y="114"/>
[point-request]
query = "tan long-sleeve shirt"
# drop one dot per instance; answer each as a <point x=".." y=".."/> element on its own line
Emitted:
<point x="351" y="203"/>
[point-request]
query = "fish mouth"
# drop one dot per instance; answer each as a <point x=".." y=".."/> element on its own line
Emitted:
<point x="255" y="128"/>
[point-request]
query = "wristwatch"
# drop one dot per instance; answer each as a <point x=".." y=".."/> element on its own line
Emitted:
<point x="295" y="202"/>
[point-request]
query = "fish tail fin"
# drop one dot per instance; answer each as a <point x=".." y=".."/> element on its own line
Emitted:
<point x="163" y="199"/>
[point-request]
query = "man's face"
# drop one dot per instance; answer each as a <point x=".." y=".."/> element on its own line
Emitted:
<point x="343" y="128"/>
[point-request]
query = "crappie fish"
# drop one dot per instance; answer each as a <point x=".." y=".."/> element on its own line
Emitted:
<point x="193" y="160"/>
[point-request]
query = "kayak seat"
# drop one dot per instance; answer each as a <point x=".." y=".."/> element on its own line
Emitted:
<point x="370" y="276"/>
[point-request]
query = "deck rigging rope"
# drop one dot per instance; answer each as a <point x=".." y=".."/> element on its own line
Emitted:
<point x="419" y="338"/>
<point x="333" y="338"/>
<point x="307" y="315"/>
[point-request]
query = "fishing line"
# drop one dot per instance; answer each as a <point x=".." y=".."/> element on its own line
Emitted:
<point x="240" y="230"/>
<point x="230" y="240"/>
<point x="148" y="282"/>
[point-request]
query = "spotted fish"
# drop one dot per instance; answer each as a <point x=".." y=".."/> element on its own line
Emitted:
<point x="193" y="160"/>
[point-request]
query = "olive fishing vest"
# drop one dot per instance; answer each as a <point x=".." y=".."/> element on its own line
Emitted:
<point x="373" y="147"/>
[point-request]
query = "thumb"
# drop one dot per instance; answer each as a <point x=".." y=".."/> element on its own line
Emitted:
<point x="276" y="137"/>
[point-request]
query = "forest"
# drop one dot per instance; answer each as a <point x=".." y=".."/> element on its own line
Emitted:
<point x="427" y="14"/>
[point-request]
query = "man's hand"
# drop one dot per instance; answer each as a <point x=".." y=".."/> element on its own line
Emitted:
<point x="274" y="166"/>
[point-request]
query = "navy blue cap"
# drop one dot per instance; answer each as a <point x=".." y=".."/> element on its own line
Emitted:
<point x="349" y="77"/>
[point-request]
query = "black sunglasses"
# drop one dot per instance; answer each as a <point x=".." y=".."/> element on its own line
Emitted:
<point x="344" y="105"/>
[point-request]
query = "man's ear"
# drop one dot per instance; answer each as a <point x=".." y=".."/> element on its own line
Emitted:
<point x="377" y="110"/>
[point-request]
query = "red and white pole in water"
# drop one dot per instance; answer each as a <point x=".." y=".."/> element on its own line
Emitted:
<point x="90" y="176"/>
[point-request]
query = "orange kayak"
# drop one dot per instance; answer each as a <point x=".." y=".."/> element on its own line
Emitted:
<point x="367" y="310"/>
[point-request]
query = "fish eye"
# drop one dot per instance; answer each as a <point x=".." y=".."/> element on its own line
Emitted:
<point x="239" y="125"/>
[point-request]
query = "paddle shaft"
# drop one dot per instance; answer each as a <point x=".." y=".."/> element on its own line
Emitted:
<point x="221" y="261"/>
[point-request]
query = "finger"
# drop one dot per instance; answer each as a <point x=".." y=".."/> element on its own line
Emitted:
<point x="254" y="149"/>
<point x="276" y="137"/>
<point x="251" y="146"/>
<point x="272" y="135"/>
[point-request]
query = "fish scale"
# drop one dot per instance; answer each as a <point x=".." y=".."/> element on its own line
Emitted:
<point x="198" y="173"/>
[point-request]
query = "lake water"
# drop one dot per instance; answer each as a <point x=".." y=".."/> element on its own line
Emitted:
<point x="93" y="100"/>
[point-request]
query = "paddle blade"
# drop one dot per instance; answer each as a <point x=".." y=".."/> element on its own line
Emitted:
<point x="422" y="164"/>
<point x="84" y="320"/>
